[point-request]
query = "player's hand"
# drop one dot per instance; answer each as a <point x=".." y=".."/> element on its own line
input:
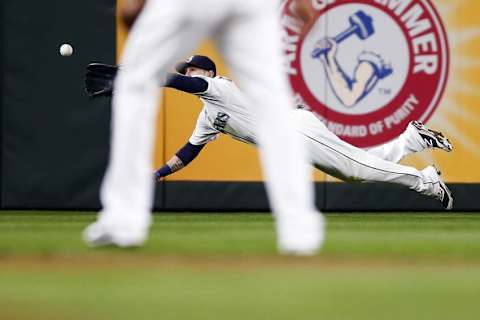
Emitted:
<point x="130" y="11"/>
<point x="157" y="176"/>
<point x="99" y="79"/>
<point x="302" y="9"/>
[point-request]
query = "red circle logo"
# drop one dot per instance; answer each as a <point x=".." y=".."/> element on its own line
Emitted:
<point x="367" y="68"/>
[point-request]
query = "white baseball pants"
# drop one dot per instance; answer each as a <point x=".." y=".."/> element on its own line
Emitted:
<point x="346" y="162"/>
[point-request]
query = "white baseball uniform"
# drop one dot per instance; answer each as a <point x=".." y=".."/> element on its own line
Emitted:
<point x="225" y="110"/>
<point x="248" y="35"/>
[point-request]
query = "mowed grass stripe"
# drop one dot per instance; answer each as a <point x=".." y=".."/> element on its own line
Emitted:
<point x="444" y="236"/>
<point x="285" y="293"/>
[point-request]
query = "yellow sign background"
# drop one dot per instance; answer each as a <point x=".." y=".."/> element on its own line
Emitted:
<point x="457" y="116"/>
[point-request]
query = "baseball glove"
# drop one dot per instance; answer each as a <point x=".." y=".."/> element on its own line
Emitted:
<point x="99" y="79"/>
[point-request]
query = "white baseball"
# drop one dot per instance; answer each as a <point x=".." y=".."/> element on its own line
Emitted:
<point x="66" y="50"/>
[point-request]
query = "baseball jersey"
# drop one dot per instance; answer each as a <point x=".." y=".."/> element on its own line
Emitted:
<point x="224" y="111"/>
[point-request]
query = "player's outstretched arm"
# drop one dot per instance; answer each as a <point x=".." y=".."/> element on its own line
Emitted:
<point x="186" y="84"/>
<point x="179" y="161"/>
<point x="99" y="81"/>
<point x="172" y="165"/>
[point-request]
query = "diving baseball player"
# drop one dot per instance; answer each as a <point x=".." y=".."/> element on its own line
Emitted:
<point x="248" y="34"/>
<point x="225" y="110"/>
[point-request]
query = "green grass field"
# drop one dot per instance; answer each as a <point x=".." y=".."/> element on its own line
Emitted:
<point x="224" y="266"/>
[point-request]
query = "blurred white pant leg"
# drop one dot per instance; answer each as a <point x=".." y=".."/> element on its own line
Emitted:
<point x="342" y="160"/>
<point x="252" y="47"/>
<point x="158" y="39"/>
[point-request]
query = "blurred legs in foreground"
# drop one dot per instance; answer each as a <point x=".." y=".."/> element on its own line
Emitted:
<point x="248" y="35"/>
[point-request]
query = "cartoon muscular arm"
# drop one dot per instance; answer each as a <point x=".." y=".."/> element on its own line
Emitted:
<point x="369" y="70"/>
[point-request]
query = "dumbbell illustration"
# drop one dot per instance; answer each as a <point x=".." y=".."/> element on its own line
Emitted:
<point x="361" y="24"/>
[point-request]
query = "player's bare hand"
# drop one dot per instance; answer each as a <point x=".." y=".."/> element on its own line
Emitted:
<point x="130" y="11"/>
<point x="303" y="10"/>
<point x="157" y="177"/>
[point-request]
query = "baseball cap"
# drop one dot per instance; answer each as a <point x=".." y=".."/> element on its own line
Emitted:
<point x="202" y="62"/>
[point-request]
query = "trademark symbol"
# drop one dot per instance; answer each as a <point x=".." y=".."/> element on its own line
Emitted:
<point x="385" y="91"/>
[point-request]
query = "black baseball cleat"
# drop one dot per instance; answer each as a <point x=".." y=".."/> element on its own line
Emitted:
<point x="440" y="190"/>
<point x="432" y="138"/>
<point x="445" y="195"/>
